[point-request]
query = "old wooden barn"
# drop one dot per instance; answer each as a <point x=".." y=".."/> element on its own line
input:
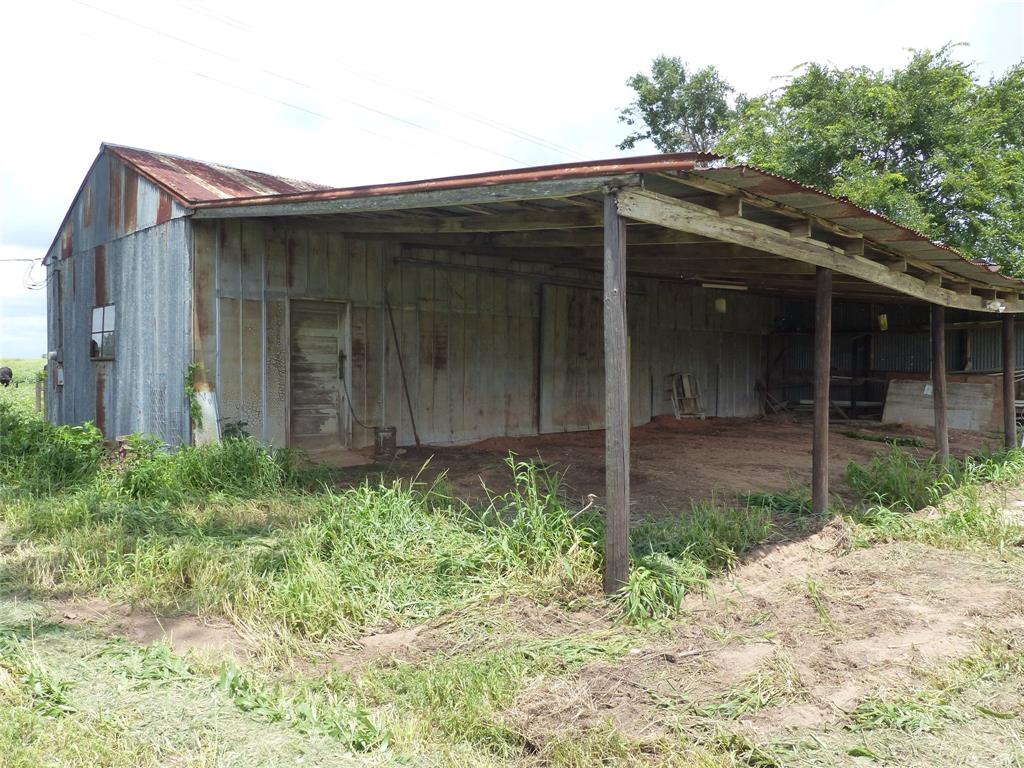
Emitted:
<point x="540" y="300"/>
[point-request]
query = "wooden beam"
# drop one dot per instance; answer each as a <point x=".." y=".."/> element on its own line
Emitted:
<point x="678" y="214"/>
<point x="938" y="332"/>
<point x="525" y="221"/>
<point x="616" y="388"/>
<point x="1009" y="387"/>
<point x="854" y="248"/>
<point x="822" y="379"/>
<point x="732" y="205"/>
<point x="800" y="228"/>
<point x="436" y="198"/>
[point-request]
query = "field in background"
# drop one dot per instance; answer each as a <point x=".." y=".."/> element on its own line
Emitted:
<point x="226" y="606"/>
<point x="26" y="371"/>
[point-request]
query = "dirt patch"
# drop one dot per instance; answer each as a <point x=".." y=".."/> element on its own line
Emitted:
<point x="183" y="633"/>
<point x="813" y="627"/>
<point x="673" y="461"/>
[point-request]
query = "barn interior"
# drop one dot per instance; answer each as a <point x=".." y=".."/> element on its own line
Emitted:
<point x="476" y="316"/>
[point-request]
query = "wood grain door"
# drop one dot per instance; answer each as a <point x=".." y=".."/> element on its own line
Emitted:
<point x="319" y="369"/>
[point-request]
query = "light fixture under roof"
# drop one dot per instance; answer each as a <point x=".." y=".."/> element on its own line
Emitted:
<point x="725" y="286"/>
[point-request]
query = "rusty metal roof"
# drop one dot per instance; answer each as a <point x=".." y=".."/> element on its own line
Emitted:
<point x="200" y="185"/>
<point x="874" y="226"/>
<point x="681" y="161"/>
<point x="194" y="182"/>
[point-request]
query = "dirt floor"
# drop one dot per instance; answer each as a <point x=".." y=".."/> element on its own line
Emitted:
<point x="676" y="461"/>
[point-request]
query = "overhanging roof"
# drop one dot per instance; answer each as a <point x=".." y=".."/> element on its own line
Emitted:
<point x="482" y="202"/>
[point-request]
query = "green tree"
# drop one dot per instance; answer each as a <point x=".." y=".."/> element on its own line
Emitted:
<point x="681" y="111"/>
<point x="928" y="144"/>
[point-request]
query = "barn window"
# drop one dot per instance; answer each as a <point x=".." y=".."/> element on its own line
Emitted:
<point x="102" y="345"/>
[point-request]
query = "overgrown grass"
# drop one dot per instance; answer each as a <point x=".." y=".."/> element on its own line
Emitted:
<point x="969" y="513"/>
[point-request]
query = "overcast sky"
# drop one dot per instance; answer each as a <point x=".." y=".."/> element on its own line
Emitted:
<point x="348" y="94"/>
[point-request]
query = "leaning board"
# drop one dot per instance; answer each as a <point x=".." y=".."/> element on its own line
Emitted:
<point x="968" y="405"/>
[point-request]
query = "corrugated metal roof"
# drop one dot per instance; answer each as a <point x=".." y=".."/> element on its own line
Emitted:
<point x="200" y="185"/>
<point x="839" y="210"/>
<point x="195" y="182"/>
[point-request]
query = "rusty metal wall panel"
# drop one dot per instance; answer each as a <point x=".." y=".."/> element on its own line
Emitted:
<point x="146" y="276"/>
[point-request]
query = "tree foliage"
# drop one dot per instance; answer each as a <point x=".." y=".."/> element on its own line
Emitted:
<point x="681" y="111"/>
<point x="928" y="144"/>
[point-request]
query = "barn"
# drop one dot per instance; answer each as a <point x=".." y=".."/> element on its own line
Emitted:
<point x="189" y="300"/>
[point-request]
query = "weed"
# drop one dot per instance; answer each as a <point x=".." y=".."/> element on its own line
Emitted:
<point x="307" y="709"/>
<point x="921" y="712"/>
<point x="777" y="683"/>
<point x="818" y="597"/>
<point x="795" y="501"/>
<point x="657" y="585"/>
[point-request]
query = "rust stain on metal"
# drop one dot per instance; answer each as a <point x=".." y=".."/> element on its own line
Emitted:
<point x="114" y="197"/>
<point x="131" y="200"/>
<point x="101" y="275"/>
<point x="87" y="206"/>
<point x="163" y="211"/>
<point x="67" y="244"/>
<point x="101" y="398"/>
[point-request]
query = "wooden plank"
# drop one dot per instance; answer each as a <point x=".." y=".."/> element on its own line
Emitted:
<point x="478" y="195"/>
<point x="1009" y="390"/>
<point x="678" y="214"/>
<point x="616" y="370"/>
<point x="822" y="379"/>
<point x="499" y="222"/>
<point x="938" y="332"/>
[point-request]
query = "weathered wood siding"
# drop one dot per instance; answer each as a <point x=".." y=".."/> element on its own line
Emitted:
<point x="490" y="346"/>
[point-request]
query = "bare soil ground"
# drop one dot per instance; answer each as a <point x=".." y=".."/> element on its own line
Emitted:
<point x="676" y="461"/>
<point x="886" y="612"/>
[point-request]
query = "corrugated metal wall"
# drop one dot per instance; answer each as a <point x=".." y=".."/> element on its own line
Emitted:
<point x="469" y="330"/>
<point x="126" y="243"/>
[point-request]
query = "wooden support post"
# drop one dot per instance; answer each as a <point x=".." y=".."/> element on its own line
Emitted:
<point x="1009" y="388"/>
<point x="939" y="381"/>
<point x="822" y="379"/>
<point x="616" y="393"/>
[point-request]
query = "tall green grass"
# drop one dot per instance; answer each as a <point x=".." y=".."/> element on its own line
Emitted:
<point x="228" y="529"/>
<point x="895" y="485"/>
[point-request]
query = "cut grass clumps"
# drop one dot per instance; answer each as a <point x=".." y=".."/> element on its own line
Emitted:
<point x="675" y="557"/>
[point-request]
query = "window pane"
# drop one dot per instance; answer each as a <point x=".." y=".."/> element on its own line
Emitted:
<point x="97" y="319"/>
<point x="107" y="347"/>
<point x="108" y="317"/>
<point x="94" y="345"/>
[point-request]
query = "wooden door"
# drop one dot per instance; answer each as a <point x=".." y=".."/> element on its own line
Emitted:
<point x="319" y="372"/>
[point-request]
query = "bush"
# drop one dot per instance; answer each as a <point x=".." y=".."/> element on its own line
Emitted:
<point x="39" y="458"/>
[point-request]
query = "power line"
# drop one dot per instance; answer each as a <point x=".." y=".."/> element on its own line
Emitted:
<point x="301" y="84"/>
<point x="482" y="119"/>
